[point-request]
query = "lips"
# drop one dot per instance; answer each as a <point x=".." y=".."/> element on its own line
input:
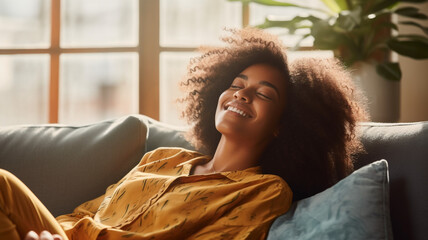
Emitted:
<point x="237" y="108"/>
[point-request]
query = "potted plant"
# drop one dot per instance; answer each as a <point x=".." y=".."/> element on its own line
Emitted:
<point x="361" y="34"/>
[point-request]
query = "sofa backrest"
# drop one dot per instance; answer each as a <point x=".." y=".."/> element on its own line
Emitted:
<point x="405" y="147"/>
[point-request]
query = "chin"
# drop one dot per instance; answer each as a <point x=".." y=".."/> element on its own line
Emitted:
<point x="226" y="128"/>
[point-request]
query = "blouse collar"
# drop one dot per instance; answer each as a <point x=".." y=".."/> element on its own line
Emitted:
<point x="236" y="175"/>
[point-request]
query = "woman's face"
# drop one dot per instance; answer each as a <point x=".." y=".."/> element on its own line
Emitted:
<point x="251" y="108"/>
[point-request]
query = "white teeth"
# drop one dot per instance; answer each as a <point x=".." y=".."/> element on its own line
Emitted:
<point x="233" y="109"/>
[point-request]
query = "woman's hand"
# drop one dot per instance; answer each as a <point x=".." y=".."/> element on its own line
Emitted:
<point x="45" y="235"/>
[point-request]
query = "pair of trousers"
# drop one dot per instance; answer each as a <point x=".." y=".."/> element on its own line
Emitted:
<point x="21" y="211"/>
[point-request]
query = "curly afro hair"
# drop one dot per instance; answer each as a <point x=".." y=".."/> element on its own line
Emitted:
<point x="317" y="129"/>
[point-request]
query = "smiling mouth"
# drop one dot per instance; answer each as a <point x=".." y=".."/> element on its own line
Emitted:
<point x="236" y="110"/>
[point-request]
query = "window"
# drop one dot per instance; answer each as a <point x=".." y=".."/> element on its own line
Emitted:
<point x="80" y="61"/>
<point x="69" y="61"/>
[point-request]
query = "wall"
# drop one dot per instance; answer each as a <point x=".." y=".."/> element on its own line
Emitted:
<point x="414" y="83"/>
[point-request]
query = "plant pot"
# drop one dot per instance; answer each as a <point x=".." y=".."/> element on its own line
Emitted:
<point x="383" y="96"/>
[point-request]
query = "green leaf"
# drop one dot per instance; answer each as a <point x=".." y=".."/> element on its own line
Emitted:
<point x="412" y="37"/>
<point x="348" y="20"/>
<point x="411" y="12"/>
<point x="292" y="25"/>
<point x="335" y="6"/>
<point x="383" y="5"/>
<point x="273" y="23"/>
<point x="388" y="25"/>
<point x="343" y="4"/>
<point x="325" y="36"/>
<point x="273" y="3"/>
<point x="416" y="48"/>
<point x="414" y="1"/>
<point x="424" y="29"/>
<point x="389" y="70"/>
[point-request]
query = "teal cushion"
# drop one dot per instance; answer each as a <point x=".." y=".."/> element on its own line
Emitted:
<point x="357" y="207"/>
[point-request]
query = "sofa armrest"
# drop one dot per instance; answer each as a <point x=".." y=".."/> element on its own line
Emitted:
<point x="67" y="165"/>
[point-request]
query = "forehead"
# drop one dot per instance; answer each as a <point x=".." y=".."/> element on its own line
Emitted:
<point x="263" y="72"/>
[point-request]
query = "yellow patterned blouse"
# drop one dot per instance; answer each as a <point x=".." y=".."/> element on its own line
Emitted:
<point x="158" y="199"/>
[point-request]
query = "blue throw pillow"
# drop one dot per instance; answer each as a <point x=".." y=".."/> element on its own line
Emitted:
<point x="357" y="207"/>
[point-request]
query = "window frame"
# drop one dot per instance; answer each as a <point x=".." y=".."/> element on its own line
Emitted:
<point x="55" y="50"/>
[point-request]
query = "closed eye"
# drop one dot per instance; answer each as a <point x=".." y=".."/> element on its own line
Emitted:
<point x="235" y="87"/>
<point x="264" y="96"/>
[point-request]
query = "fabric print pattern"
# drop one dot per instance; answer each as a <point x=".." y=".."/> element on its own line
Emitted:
<point x="159" y="199"/>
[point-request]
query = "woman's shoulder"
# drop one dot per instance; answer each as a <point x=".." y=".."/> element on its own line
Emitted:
<point x="271" y="188"/>
<point x="270" y="180"/>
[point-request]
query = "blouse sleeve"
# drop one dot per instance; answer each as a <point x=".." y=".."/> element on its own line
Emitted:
<point x="87" y="209"/>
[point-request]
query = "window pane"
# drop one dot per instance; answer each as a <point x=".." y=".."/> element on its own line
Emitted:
<point x="95" y="87"/>
<point x="194" y="22"/>
<point x="24" y="89"/>
<point x="106" y="23"/>
<point x="172" y="68"/>
<point x="258" y="14"/>
<point x="24" y="23"/>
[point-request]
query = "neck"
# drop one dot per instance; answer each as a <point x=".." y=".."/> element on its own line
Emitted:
<point x="232" y="155"/>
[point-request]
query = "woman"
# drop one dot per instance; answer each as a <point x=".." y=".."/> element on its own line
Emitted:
<point x="257" y="126"/>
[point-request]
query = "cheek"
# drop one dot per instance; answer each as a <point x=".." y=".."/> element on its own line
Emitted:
<point x="220" y="102"/>
<point x="271" y="112"/>
<point x="271" y="116"/>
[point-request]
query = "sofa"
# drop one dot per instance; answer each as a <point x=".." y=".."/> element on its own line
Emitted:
<point x="67" y="165"/>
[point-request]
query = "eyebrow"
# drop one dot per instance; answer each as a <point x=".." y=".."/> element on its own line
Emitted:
<point x="265" y="83"/>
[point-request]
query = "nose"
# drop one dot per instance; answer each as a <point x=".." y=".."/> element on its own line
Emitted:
<point x="242" y="95"/>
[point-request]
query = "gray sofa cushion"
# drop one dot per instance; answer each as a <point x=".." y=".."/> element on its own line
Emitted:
<point x="165" y="135"/>
<point x="405" y="147"/>
<point x="67" y="165"/>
